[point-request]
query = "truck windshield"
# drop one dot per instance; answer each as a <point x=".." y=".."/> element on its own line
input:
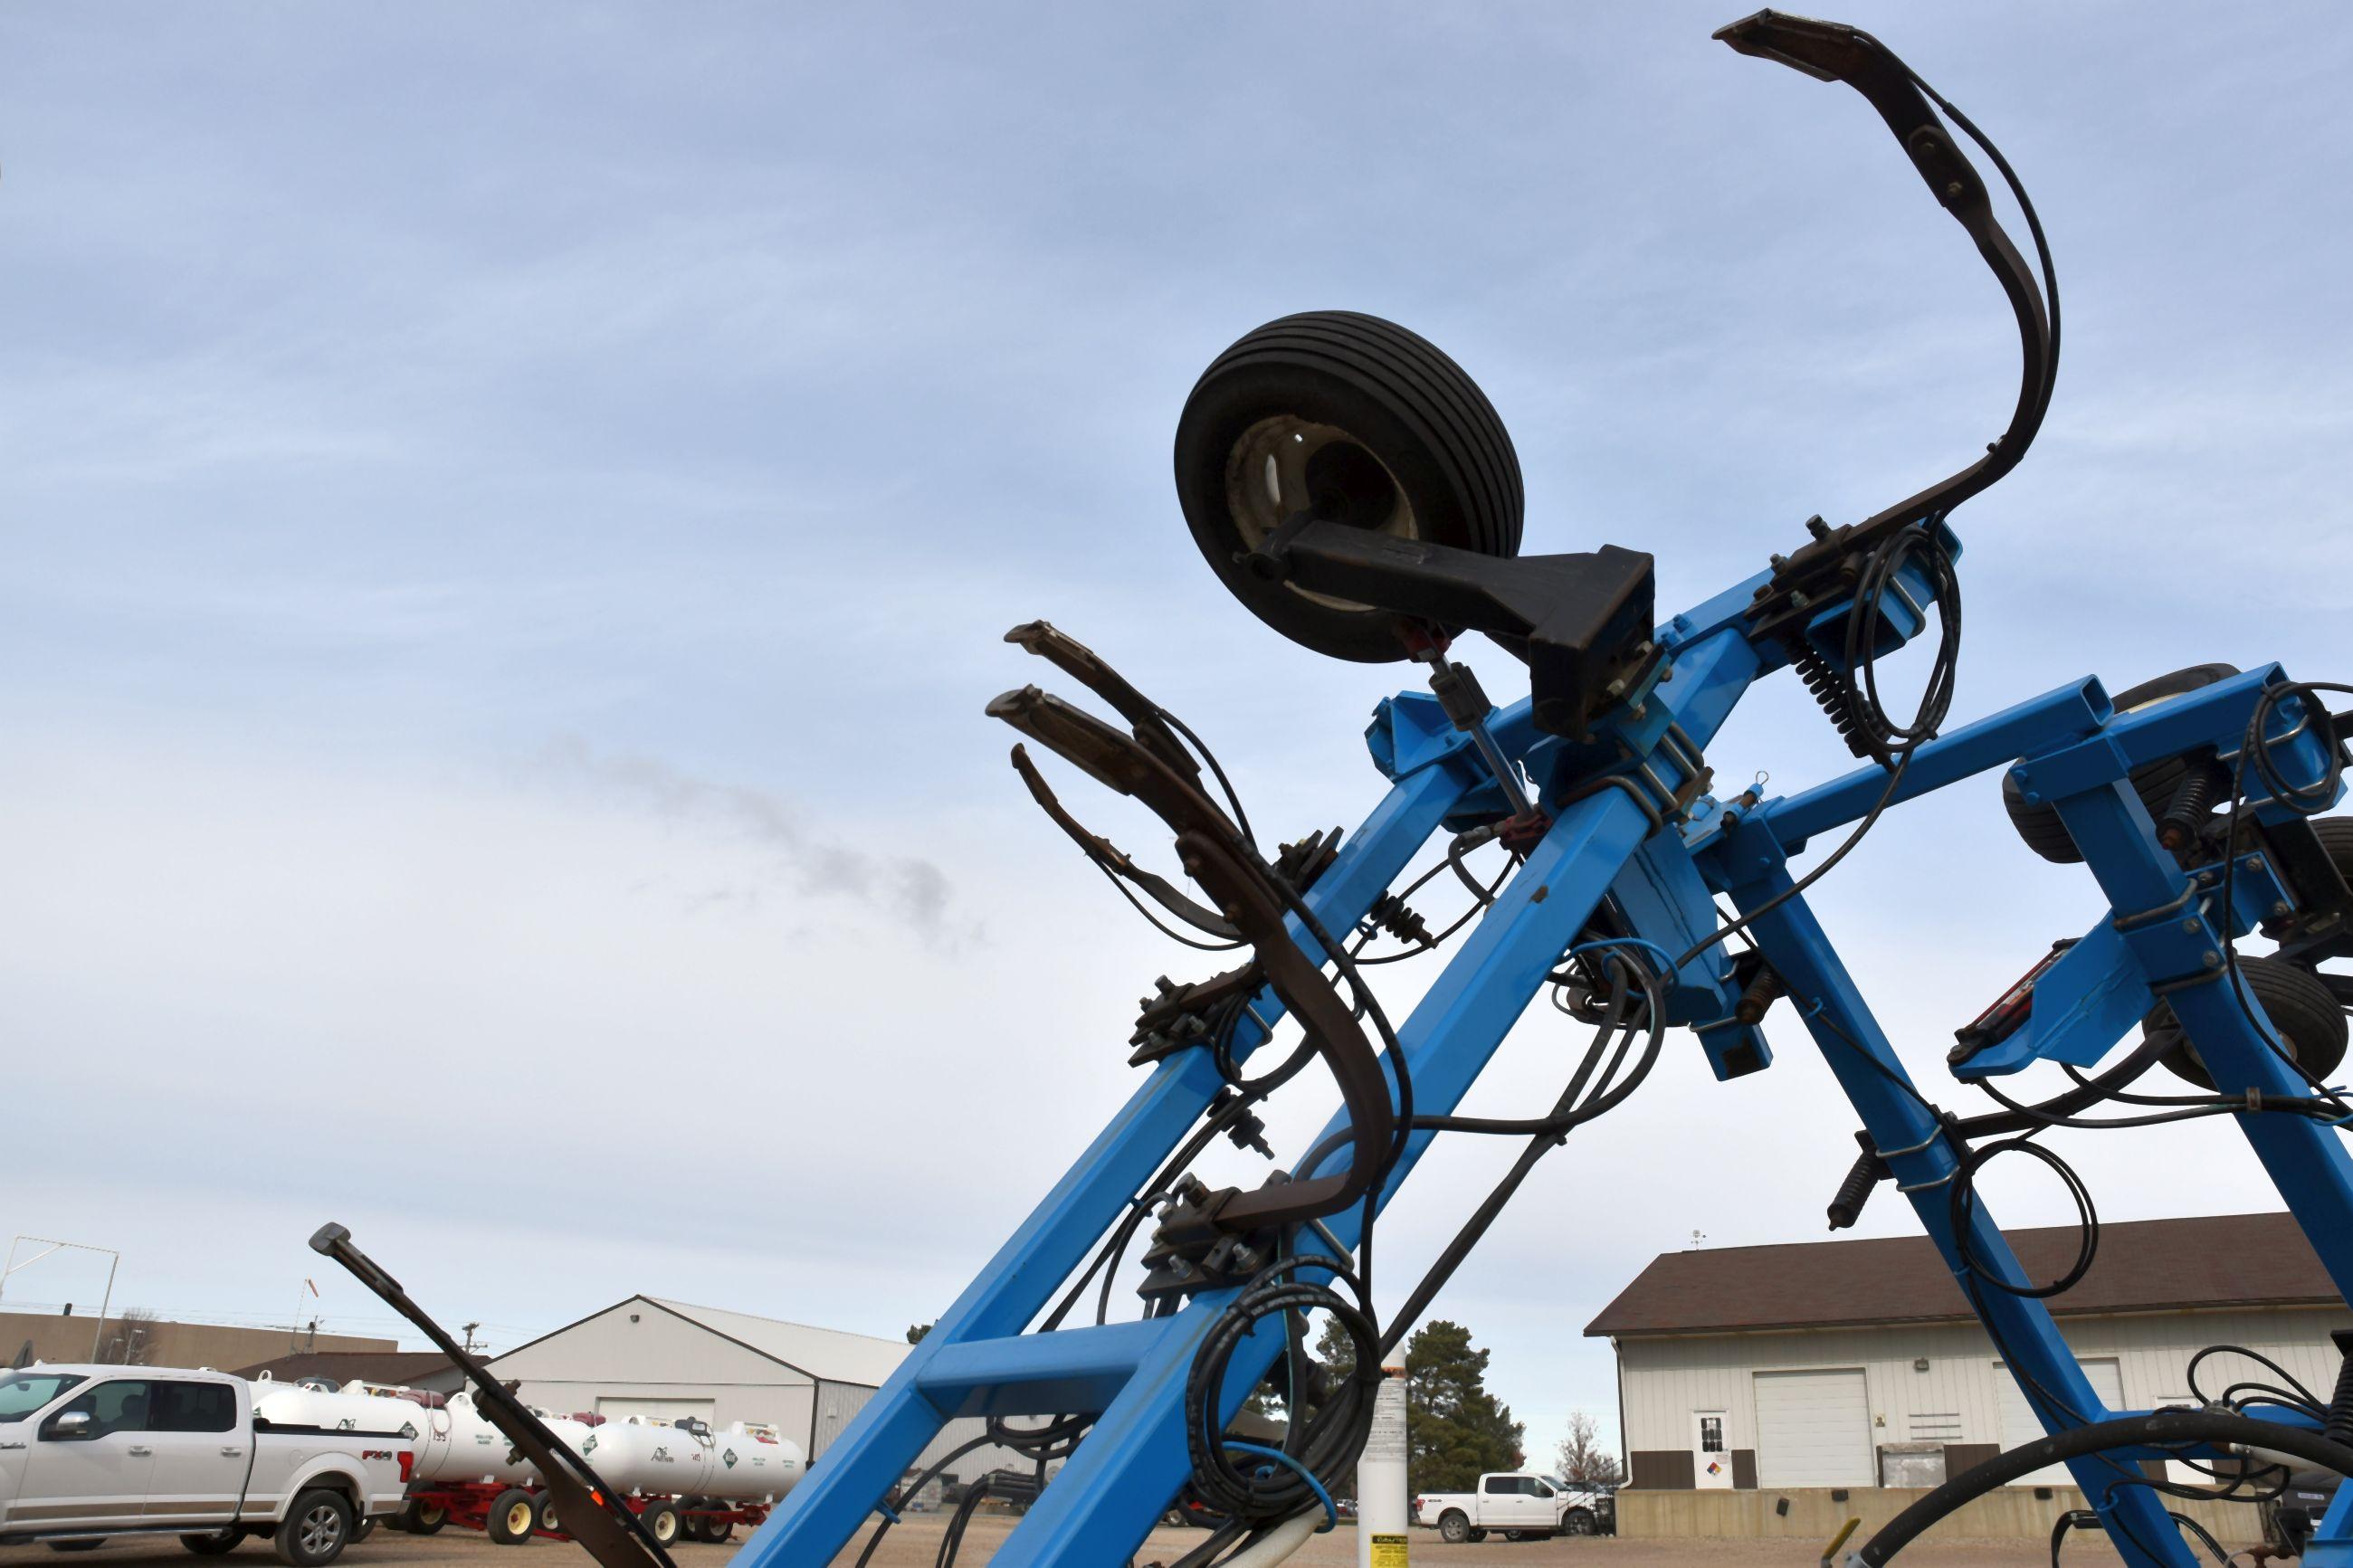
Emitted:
<point x="22" y="1393"/>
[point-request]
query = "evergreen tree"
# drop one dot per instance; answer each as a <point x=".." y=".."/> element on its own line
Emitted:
<point x="1456" y="1431"/>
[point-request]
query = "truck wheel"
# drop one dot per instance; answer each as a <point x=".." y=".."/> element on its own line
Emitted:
<point x="213" y="1543"/>
<point x="1353" y="420"/>
<point x="662" y="1521"/>
<point x="315" y="1529"/>
<point x="2155" y="782"/>
<point x="514" y="1514"/>
<point x="1454" y="1527"/>
<point x="421" y="1518"/>
<point x="1578" y="1521"/>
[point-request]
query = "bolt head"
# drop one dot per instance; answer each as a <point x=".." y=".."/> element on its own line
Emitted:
<point x="2190" y="924"/>
<point x="2211" y="961"/>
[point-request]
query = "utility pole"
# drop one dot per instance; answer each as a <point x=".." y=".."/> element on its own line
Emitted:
<point x="470" y="1328"/>
<point x="49" y="1246"/>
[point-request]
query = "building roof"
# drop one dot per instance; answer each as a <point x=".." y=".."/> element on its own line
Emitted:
<point x="831" y="1356"/>
<point x="2143" y="1266"/>
<point x="825" y="1356"/>
<point x="370" y="1366"/>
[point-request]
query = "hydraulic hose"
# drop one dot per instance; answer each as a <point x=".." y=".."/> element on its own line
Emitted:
<point x="2158" y="1430"/>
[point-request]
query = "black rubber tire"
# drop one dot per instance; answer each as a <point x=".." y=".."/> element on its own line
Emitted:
<point x="719" y="1532"/>
<point x="364" y="1528"/>
<point x="663" y="1522"/>
<point x="2302" y="1008"/>
<point x="2040" y="825"/>
<point x="1454" y="1527"/>
<point x="1477" y="1535"/>
<point x="545" y="1517"/>
<point x="2335" y="836"/>
<point x="1578" y="1521"/>
<point x="1443" y="446"/>
<point x="513" y="1516"/>
<point x="317" y="1527"/>
<point x="216" y="1542"/>
<point x="420" y="1517"/>
<point x="82" y="1545"/>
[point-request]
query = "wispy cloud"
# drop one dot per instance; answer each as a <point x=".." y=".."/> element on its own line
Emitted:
<point x="788" y="850"/>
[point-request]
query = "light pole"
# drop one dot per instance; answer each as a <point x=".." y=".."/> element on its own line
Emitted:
<point x="48" y="1246"/>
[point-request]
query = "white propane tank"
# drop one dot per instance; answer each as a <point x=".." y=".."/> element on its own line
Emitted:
<point x="457" y="1445"/>
<point x="291" y="1405"/>
<point x="747" y="1462"/>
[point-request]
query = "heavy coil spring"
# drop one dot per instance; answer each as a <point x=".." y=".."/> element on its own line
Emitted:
<point x="1823" y="684"/>
<point x="1393" y="915"/>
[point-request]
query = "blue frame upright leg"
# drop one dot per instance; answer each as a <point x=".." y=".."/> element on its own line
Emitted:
<point x="1899" y="1118"/>
<point x="1089" y="1516"/>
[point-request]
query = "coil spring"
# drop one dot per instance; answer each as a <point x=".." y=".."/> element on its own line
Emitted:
<point x="1829" y="694"/>
<point x="1393" y="915"/>
<point x="2338" y="1427"/>
<point x="2203" y="785"/>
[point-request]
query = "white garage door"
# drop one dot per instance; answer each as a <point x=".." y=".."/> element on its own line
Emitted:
<point x="654" y="1409"/>
<point x="2019" y="1424"/>
<point x="1813" y="1429"/>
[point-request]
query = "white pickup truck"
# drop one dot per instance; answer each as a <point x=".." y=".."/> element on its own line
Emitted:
<point x="1516" y="1506"/>
<point x="88" y="1453"/>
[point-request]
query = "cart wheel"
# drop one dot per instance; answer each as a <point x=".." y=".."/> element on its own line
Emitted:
<point x="719" y="1532"/>
<point x="513" y="1516"/>
<point x="548" y="1513"/>
<point x="421" y="1518"/>
<point x="214" y="1542"/>
<point x="1351" y="419"/>
<point x="662" y="1521"/>
<point x="2154" y="782"/>
<point x="363" y="1528"/>
<point x="2302" y="1009"/>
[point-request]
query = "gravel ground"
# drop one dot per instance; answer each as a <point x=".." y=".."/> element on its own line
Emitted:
<point x="916" y="1543"/>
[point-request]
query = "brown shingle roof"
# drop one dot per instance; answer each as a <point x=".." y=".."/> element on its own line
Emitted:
<point x="2153" y="1265"/>
<point x="371" y="1366"/>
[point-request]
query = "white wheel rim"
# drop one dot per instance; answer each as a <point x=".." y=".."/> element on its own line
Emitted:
<point x="1266" y="482"/>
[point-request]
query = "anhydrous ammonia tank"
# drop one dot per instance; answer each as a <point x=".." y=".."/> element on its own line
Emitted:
<point x="459" y="1447"/>
<point x="741" y="1464"/>
<point x="291" y="1405"/>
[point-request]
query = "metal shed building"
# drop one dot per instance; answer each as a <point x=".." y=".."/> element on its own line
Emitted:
<point x="1854" y="1373"/>
<point x="649" y="1357"/>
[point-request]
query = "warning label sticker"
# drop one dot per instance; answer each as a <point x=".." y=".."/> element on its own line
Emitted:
<point x="1388" y="1552"/>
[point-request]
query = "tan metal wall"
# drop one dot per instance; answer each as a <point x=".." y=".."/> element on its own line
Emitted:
<point x="2011" y="1513"/>
<point x="1665" y="1380"/>
<point x="56" y="1338"/>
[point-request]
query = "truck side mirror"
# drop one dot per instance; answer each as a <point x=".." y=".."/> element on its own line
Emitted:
<point x="68" y="1427"/>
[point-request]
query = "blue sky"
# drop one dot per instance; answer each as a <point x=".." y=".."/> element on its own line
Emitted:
<point x="512" y="511"/>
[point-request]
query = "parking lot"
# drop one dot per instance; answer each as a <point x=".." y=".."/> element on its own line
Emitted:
<point x="915" y="1544"/>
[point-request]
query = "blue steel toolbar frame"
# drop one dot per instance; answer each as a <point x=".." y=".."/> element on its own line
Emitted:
<point x="1616" y="832"/>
